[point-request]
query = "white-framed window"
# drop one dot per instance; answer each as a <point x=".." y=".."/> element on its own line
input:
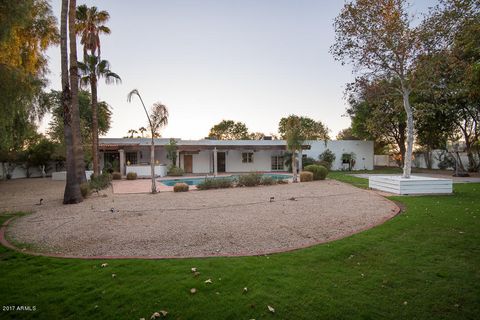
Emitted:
<point x="277" y="163"/>
<point x="247" y="157"/>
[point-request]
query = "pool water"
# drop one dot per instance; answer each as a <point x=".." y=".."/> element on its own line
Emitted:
<point x="195" y="181"/>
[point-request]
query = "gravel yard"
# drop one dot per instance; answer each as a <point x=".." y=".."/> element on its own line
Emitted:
<point x="239" y="221"/>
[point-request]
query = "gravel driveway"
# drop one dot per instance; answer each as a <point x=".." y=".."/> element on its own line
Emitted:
<point x="239" y="221"/>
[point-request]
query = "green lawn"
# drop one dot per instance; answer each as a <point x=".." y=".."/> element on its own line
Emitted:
<point x="423" y="264"/>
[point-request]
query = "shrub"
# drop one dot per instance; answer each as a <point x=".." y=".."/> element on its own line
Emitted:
<point x="215" y="184"/>
<point x="85" y="189"/>
<point x="175" y="171"/>
<point x="132" y="176"/>
<point x="180" y="187"/>
<point x="319" y="172"/>
<point x="100" y="182"/>
<point x="282" y="181"/>
<point x="268" y="181"/>
<point x="249" y="180"/>
<point x="306" y="176"/>
<point x="308" y="161"/>
<point x="327" y="157"/>
<point x="116" y="176"/>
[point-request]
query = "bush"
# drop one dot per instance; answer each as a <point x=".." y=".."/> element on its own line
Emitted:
<point x="249" y="180"/>
<point x="85" y="189"/>
<point x="319" y="172"/>
<point x="132" y="176"/>
<point x="215" y="184"/>
<point x="116" y="176"/>
<point x="268" y="181"/>
<point x="175" y="171"/>
<point x="101" y="182"/>
<point x="327" y="158"/>
<point x="180" y="187"/>
<point x="282" y="181"/>
<point x="308" y="161"/>
<point x="306" y="176"/>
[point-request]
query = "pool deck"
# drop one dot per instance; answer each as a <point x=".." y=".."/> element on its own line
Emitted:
<point x="145" y="185"/>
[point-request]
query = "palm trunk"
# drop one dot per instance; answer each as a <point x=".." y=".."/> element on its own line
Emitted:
<point x="152" y="164"/>
<point x="294" y="167"/>
<point x="75" y="113"/>
<point x="407" y="167"/>
<point x="93" y="84"/>
<point x="72" y="192"/>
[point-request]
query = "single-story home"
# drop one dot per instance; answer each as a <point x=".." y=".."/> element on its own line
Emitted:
<point x="223" y="156"/>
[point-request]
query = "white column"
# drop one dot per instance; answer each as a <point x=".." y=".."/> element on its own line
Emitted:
<point x="122" y="161"/>
<point x="215" y="161"/>
<point x="177" y="164"/>
<point x="300" y="160"/>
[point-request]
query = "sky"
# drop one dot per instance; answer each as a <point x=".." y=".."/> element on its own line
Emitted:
<point x="253" y="61"/>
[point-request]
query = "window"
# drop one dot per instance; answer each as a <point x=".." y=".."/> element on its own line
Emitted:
<point x="247" y="157"/>
<point x="277" y="163"/>
<point x="131" y="157"/>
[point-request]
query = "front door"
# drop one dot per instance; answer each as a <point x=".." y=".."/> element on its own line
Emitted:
<point x="220" y="161"/>
<point x="187" y="163"/>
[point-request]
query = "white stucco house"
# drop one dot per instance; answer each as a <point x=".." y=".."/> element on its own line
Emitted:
<point x="224" y="156"/>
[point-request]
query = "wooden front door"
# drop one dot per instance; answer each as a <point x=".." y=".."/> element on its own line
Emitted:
<point x="221" y="162"/>
<point x="187" y="163"/>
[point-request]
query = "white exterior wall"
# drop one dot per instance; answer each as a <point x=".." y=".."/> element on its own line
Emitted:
<point x="363" y="152"/>
<point x="262" y="161"/>
<point x="201" y="162"/>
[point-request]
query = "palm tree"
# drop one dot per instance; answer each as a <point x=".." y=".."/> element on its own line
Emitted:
<point x="77" y="137"/>
<point x="72" y="192"/>
<point x="132" y="133"/>
<point x="90" y="71"/>
<point x="90" y="24"/>
<point x="142" y="130"/>
<point x="294" y="141"/>
<point x="157" y="120"/>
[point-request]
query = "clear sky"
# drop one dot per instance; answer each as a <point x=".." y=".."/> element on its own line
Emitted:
<point x="253" y="61"/>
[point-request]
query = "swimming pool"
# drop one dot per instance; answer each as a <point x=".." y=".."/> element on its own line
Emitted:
<point x="194" y="181"/>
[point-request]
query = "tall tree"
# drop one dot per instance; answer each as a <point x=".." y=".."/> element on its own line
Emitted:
<point x="72" y="192"/>
<point x="156" y="120"/>
<point x="450" y="74"/>
<point x="229" y="130"/>
<point x="378" y="39"/>
<point x="91" y="70"/>
<point x="90" y="24"/>
<point x="74" y="85"/>
<point x="377" y="113"/>
<point x="310" y="129"/>
<point x="56" y="127"/>
<point x="347" y="134"/>
<point x="27" y="29"/>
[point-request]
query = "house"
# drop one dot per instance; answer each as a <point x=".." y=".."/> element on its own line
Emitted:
<point x="222" y="156"/>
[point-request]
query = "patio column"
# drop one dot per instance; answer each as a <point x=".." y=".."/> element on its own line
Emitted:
<point x="215" y="161"/>
<point x="121" y="152"/>
<point x="300" y="160"/>
<point x="177" y="164"/>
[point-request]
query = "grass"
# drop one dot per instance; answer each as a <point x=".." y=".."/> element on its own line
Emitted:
<point x="423" y="264"/>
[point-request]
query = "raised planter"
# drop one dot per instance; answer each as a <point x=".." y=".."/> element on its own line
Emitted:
<point x="143" y="171"/>
<point x="62" y="175"/>
<point x="413" y="185"/>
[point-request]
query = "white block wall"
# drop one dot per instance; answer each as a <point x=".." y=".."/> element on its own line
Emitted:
<point x="363" y="152"/>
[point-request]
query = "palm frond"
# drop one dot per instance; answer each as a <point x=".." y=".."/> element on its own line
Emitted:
<point x="131" y="94"/>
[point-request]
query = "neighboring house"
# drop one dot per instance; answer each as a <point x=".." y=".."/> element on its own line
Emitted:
<point x="222" y="156"/>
